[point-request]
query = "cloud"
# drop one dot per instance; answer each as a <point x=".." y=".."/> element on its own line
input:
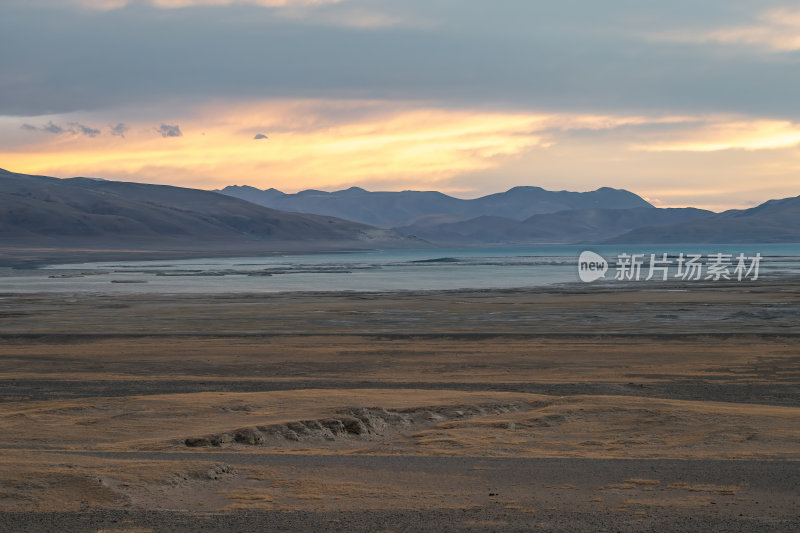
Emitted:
<point x="353" y="17"/>
<point x="384" y="87"/>
<point x="84" y="130"/>
<point x="101" y="5"/>
<point x="320" y="142"/>
<point x="517" y="55"/>
<point x="52" y="128"/>
<point x="73" y="128"/>
<point x="732" y="133"/>
<point x="313" y="12"/>
<point x="776" y="30"/>
<point x="106" y="5"/>
<point x="260" y="136"/>
<point x="333" y="144"/>
<point x="169" y="131"/>
<point x="119" y="130"/>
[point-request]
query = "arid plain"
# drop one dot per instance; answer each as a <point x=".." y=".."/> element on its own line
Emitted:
<point x="625" y="408"/>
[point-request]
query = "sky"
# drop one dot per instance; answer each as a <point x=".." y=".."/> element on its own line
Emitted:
<point x="686" y="103"/>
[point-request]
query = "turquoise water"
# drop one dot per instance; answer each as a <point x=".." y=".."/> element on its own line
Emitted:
<point x="380" y="270"/>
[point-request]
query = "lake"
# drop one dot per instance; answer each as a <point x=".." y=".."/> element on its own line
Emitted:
<point x="499" y="267"/>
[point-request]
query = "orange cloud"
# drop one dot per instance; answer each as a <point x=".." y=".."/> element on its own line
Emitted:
<point x="311" y="144"/>
<point x="329" y="144"/>
<point x="730" y="134"/>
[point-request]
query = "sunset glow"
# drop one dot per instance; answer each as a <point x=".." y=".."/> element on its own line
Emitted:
<point x="386" y="96"/>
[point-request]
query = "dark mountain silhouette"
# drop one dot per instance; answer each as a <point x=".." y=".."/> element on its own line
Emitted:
<point x="572" y="226"/>
<point x="390" y="209"/>
<point x="39" y="210"/>
<point x="772" y="221"/>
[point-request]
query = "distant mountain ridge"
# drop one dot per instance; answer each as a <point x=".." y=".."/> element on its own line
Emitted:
<point x="40" y="210"/>
<point x="393" y="209"/>
<point x="563" y="227"/>
<point x="771" y="222"/>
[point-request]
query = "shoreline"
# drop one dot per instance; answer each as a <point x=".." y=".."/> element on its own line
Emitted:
<point x="36" y="258"/>
<point x="32" y="257"/>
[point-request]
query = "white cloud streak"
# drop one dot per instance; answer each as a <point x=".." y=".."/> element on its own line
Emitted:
<point x="776" y="30"/>
<point x="106" y="5"/>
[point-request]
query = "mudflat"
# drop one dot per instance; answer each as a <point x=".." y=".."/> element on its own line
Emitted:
<point x="573" y="408"/>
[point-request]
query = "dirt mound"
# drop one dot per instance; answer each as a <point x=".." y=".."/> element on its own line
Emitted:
<point x="212" y="473"/>
<point x="362" y="423"/>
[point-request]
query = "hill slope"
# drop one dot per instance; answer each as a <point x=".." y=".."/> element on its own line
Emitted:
<point x="38" y="210"/>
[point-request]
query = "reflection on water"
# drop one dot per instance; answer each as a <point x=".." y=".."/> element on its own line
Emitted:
<point x="380" y="270"/>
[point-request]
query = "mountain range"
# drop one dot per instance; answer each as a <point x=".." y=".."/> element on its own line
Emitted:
<point x="397" y="209"/>
<point x="530" y="215"/>
<point x="771" y="222"/>
<point x="39" y="212"/>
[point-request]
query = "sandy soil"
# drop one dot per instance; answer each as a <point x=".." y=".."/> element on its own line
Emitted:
<point x="561" y="409"/>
